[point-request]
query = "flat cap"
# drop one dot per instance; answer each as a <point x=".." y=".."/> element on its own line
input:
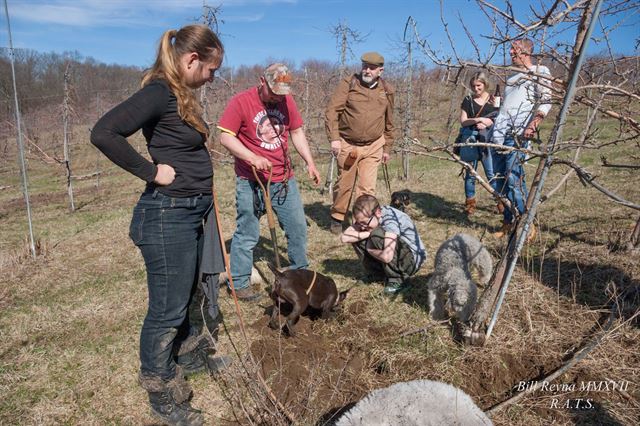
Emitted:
<point x="373" y="58"/>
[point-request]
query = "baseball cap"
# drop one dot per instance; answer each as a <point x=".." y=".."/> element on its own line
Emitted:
<point x="278" y="78"/>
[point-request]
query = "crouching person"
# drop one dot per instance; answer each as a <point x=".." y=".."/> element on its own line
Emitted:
<point x="386" y="241"/>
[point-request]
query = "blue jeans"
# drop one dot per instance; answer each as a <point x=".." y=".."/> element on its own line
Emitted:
<point x="287" y="206"/>
<point x="168" y="232"/>
<point x="487" y="165"/>
<point x="510" y="179"/>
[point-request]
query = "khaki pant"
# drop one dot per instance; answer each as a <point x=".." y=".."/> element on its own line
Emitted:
<point x="365" y="167"/>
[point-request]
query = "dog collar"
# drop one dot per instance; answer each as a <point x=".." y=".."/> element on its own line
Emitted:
<point x="313" y="281"/>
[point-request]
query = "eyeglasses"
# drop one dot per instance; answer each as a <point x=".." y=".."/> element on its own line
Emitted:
<point x="367" y="225"/>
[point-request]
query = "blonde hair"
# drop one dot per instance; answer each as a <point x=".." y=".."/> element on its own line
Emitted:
<point x="482" y="78"/>
<point x="365" y="204"/>
<point x="526" y="43"/>
<point x="173" y="44"/>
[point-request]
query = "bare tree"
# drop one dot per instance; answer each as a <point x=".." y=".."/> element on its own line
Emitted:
<point x="345" y="38"/>
<point x="408" y="113"/>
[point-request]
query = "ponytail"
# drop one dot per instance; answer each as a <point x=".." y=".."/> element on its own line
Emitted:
<point x="173" y="44"/>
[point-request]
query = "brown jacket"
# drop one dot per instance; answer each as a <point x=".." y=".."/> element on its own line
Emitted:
<point x="360" y="115"/>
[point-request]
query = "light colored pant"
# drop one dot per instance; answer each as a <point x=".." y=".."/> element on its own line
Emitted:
<point x="364" y="169"/>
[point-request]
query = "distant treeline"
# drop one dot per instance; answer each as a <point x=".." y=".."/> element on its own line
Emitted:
<point x="40" y="80"/>
<point x="95" y="87"/>
<point x="429" y="106"/>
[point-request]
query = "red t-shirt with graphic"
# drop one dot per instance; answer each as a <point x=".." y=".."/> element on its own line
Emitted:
<point x="263" y="129"/>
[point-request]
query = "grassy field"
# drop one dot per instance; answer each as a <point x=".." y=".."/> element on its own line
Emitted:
<point x="70" y="319"/>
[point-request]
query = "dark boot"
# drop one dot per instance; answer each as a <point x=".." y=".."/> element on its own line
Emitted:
<point x="336" y="226"/>
<point x="167" y="410"/>
<point x="200" y="358"/>
<point x="169" y="400"/>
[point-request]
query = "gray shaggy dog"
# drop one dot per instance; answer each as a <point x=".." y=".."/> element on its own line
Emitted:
<point x="452" y="276"/>
<point x="415" y="403"/>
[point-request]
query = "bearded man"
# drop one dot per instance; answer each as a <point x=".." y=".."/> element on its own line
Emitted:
<point x="359" y="124"/>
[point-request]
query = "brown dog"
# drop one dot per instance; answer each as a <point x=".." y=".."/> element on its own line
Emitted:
<point x="303" y="288"/>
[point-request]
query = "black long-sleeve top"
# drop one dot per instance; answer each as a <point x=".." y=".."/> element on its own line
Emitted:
<point x="170" y="140"/>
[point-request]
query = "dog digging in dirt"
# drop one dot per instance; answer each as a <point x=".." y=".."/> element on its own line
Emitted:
<point x="302" y="288"/>
<point x="452" y="276"/>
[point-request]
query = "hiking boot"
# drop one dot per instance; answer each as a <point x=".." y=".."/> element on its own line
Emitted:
<point x="392" y="285"/>
<point x="247" y="294"/>
<point x="506" y="229"/>
<point x="194" y="363"/>
<point x="166" y="409"/>
<point x="470" y="206"/>
<point x="336" y="226"/>
<point x="201" y="359"/>
<point x="169" y="399"/>
<point x="499" y="208"/>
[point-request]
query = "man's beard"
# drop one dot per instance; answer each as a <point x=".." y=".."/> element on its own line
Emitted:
<point x="367" y="78"/>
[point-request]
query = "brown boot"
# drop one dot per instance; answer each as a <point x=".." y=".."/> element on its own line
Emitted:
<point x="470" y="206"/>
<point x="499" y="208"/>
<point x="506" y="229"/>
<point x="533" y="231"/>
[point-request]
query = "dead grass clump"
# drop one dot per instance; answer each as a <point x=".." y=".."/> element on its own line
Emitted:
<point x="12" y="260"/>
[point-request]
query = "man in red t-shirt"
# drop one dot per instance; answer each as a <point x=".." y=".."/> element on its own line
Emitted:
<point x="256" y="125"/>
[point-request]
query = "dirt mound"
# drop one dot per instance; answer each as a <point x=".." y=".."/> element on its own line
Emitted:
<point x="310" y="367"/>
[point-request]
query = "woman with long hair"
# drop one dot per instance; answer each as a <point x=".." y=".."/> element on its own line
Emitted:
<point x="167" y="223"/>
<point x="478" y="111"/>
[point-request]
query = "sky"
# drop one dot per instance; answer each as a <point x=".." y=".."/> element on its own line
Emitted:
<point x="260" y="31"/>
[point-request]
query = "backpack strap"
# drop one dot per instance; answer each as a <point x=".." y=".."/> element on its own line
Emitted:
<point x="385" y="87"/>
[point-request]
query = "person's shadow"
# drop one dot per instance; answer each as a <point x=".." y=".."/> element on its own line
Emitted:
<point x="595" y="285"/>
<point x="320" y="213"/>
<point x="348" y="268"/>
<point x="434" y="206"/>
<point x="423" y="203"/>
<point x="264" y="251"/>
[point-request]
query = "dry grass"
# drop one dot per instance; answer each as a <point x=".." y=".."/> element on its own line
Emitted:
<point x="70" y="318"/>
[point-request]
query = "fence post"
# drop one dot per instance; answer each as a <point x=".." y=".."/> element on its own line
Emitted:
<point x="65" y="130"/>
<point x="23" y="167"/>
